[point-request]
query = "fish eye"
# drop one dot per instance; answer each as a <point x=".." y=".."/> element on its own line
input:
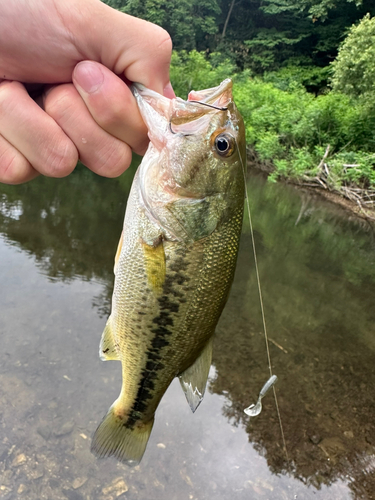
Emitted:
<point x="224" y="145"/>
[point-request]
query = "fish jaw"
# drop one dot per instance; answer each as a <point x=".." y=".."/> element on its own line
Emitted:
<point x="219" y="96"/>
<point x="161" y="115"/>
<point x="155" y="111"/>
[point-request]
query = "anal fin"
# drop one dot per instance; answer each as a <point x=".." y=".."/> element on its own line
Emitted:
<point x="194" y="379"/>
<point x="107" y="349"/>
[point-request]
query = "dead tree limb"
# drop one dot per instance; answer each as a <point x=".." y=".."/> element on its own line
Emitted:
<point x="227" y="19"/>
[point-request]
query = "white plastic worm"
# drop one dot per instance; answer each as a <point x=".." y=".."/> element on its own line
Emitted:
<point x="254" y="410"/>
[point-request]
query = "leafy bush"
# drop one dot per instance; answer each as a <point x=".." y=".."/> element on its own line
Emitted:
<point x="292" y="129"/>
<point x="313" y="78"/>
<point x="357" y="168"/>
<point x="289" y="129"/>
<point x="193" y="71"/>
<point x="354" y="67"/>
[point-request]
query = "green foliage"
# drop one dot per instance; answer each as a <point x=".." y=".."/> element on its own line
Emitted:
<point x="194" y="71"/>
<point x="315" y="10"/>
<point x="115" y="4"/>
<point x="264" y="35"/>
<point x="292" y="129"/>
<point x="354" y="68"/>
<point x="189" y="22"/>
<point x="290" y="44"/>
<point x="266" y="45"/>
<point x="313" y="78"/>
<point x="357" y="167"/>
<point x="261" y="35"/>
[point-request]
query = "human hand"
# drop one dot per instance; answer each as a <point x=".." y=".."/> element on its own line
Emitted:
<point x="86" y="112"/>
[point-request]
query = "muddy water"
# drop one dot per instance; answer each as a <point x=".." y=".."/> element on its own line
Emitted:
<point x="57" y="241"/>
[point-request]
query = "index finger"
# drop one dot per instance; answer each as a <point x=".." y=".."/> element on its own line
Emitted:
<point x="133" y="48"/>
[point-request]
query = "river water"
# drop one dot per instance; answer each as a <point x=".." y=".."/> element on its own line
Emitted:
<point x="317" y="270"/>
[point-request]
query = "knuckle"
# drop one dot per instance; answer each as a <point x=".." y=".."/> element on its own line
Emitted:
<point x="163" y="42"/>
<point x="61" y="159"/>
<point x="9" y="92"/>
<point x="111" y="160"/>
<point x="59" y="101"/>
<point x="12" y="167"/>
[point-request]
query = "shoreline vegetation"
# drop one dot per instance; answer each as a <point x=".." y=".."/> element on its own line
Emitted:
<point x="324" y="141"/>
<point x="304" y="82"/>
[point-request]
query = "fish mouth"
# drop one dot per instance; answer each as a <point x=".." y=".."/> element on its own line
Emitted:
<point x="219" y="96"/>
<point x="164" y="116"/>
<point x="155" y="111"/>
<point x="157" y="102"/>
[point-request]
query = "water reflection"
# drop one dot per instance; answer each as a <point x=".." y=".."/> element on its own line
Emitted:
<point x="318" y="281"/>
<point x="71" y="226"/>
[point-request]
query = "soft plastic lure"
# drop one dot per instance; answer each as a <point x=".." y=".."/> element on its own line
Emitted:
<point x="254" y="410"/>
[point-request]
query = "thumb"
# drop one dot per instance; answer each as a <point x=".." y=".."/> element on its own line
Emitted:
<point x="130" y="47"/>
<point x="111" y="104"/>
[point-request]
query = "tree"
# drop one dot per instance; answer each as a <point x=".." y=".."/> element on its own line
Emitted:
<point x="190" y="23"/>
<point x="262" y="35"/>
<point x="354" y="68"/>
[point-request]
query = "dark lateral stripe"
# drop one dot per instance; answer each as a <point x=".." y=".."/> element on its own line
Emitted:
<point x="153" y="365"/>
<point x="162" y="332"/>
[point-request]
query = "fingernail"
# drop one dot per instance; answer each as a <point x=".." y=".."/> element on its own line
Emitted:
<point x="88" y="76"/>
<point x="168" y="91"/>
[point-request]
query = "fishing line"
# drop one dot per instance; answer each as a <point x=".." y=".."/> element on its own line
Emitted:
<point x="273" y="378"/>
<point x="209" y="105"/>
<point x="261" y="304"/>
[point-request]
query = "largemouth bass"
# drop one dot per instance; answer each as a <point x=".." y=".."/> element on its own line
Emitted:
<point x="175" y="261"/>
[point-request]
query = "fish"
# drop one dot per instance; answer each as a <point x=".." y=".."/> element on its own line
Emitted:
<point x="175" y="261"/>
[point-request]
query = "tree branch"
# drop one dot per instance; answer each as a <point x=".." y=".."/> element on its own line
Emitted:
<point x="227" y="19"/>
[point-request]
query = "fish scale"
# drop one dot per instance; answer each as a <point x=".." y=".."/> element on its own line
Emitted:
<point x="175" y="262"/>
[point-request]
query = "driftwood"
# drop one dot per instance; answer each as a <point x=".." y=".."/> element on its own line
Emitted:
<point x="363" y="198"/>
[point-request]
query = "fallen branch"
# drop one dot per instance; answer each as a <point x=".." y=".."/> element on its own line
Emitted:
<point x="324" y="157"/>
<point x="363" y="198"/>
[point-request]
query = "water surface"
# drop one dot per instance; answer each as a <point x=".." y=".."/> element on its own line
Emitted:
<point x="316" y="263"/>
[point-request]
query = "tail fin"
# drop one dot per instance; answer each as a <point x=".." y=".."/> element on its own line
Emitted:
<point x="113" y="438"/>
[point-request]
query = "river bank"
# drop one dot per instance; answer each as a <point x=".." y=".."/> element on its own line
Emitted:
<point x="357" y="201"/>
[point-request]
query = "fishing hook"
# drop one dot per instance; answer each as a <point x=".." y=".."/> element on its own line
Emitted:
<point x="203" y="104"/>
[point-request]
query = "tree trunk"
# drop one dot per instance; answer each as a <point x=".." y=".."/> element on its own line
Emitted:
<point x="227" y="19"/>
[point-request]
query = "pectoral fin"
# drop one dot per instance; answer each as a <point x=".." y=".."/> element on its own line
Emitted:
<point x="107" y="349"/>
<point x="155" y="264"/>
<point x="118" y="252"/>
<point x="194" y="379"/>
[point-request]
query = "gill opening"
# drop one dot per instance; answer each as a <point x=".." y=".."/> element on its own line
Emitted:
<point x="202" y="104"/>
<point x="271" y="381"/>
